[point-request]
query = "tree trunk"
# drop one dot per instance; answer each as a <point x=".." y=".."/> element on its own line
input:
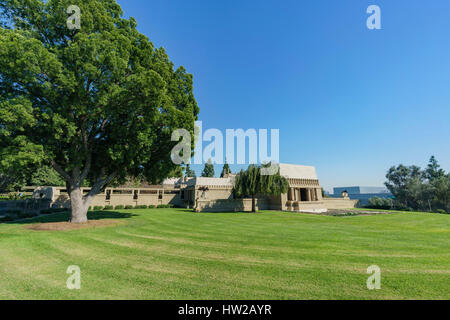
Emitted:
<point x="78" y="205"/>
<point x="253" y="203"/>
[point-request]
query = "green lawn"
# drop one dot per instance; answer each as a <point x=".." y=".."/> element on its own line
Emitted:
<point x="178" y="254"/>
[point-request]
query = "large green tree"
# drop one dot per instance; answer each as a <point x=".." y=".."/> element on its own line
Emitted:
<point x="252" y="183"/>
<point x="97" y="103"/>
<point x="45" y="176"/>
<point x="418" y="189"/>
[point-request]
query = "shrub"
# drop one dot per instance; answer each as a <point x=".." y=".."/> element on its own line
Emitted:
<point x="151" y="206"/>
<point x="53" y="210"/>
<point x="380" y="203"/>
<point x="108" y="208"/>
<point x="24" y="215"/>
<point x="142" y="206"/>
<point x="13" y="196"/>
<point x="15" y="212"/>
<point x="96" y="208"/>
<point x="118" y="207"/>
<point x="442" y="211"/>
<point x="128" y="207"/>
<point x="165" y="206"/>
<point x="6" y="219"/>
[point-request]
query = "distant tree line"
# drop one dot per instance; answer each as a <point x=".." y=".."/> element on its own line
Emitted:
<point x="417" y="189"/>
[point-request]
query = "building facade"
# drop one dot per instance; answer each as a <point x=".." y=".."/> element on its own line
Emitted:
<point x="213" y="194"/>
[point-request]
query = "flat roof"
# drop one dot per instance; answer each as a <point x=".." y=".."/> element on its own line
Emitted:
<point x="296" y="171"/>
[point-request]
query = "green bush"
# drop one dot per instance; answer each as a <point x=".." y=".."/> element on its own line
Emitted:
<point x="442" y="211"/>
<point x="53" y="210"/>
<point x="108" y="208"/>
<point x="128" y="207"/>
<point x="24" y="215"/>
<point x="165" y="206"/>
<point x="118" y="207"/>
<point x="142" y="206"/>
<point x="14" y="212"/>
<point x="6" y="219"/>
<point x="151" y="206"/>
<point x="97" y="208"/>
<point x="380" y="203"/>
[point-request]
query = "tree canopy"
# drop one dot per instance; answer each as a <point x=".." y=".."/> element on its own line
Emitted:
<point x="252" y="183"/>
<point x="208" y="170"/>
<point x="96" y="103"/>
<point x="414" y="188"/>
<point x="225" y="170"/>
<point x="189" y="172"/>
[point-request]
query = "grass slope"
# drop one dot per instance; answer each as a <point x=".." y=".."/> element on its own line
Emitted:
<point x="177" y="254"/>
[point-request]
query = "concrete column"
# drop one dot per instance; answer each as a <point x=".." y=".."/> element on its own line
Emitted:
<point x="308" y="194"/>
<point x="319" y="194"/>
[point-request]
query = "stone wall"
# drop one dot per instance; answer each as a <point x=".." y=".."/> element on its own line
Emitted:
<point x="24" y="206"/>
<point x="339" y="203"/>
<point x="116" y="196"/>
<point x="230" y="205"/>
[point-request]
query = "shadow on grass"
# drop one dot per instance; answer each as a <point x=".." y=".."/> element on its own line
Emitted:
<point x="65" y="217"/>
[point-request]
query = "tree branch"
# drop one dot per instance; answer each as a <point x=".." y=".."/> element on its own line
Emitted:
<point x="61" y="171"/>
<point x="99" y="184"/>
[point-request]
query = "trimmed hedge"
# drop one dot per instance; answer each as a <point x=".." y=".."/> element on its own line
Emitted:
<point x="26" y="215"/>
<point x="108" y="208"/>
<point x="97" y="208"/>
<point x="6" y="219"/>
<point x="142" y="206"/>
<point x="53" y="210"/>
<point x="128" y="207"/>
<point x="16" y="212"/>
<point x="118" y="207"/>
<point x="165" y="206"/>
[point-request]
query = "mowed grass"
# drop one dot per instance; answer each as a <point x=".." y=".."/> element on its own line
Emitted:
<point x="178" y="254"/>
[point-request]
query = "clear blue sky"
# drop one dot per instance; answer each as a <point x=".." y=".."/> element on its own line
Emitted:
<point x="348" y="100"/>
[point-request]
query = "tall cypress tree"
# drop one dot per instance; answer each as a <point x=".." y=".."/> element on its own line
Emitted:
<point x="189" y="172"/>
<point x="208" y="170"/>
<point x="225" y="170"/>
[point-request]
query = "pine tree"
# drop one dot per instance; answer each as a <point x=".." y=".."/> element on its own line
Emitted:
<point x="225" y="170"/>
<point x="208" y="170"/>
<point x="188" y="172"/>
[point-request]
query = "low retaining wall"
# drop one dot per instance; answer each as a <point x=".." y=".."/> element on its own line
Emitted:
<point x="339" y="203"/>
<point x="230" y="205"/>
<point x="124" y="197"/>
<point x="24" y="206"/>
